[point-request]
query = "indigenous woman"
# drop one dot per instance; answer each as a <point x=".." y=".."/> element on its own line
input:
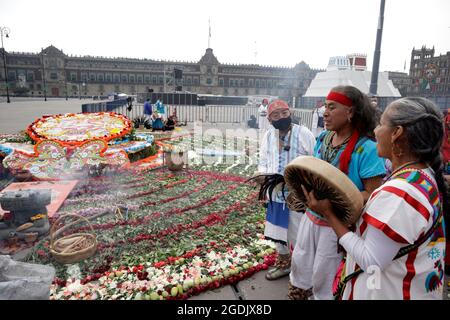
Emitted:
<point x="346" y="144"/>
<point x="398" y="249"/>
<point x="282" y="142"/>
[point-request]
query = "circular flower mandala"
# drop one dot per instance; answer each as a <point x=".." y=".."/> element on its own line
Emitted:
<point x="74" y="129"/>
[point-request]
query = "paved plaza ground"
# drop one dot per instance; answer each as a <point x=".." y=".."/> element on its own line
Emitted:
<point x="18" y="114"/>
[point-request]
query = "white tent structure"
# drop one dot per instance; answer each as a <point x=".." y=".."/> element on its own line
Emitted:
<point x="324" y="81"/>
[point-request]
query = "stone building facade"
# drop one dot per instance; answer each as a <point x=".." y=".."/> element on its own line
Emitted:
<point x="75" y="76"/>
<point x="429" y="74"/>
<point x="401" y="81"/>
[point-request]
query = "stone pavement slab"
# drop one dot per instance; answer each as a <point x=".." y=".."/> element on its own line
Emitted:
<point x="254" y="288"/>
<point x="223" y="293"/>
<point x="258" y="288"/>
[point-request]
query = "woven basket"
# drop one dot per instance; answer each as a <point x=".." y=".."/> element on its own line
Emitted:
<point x="62" y="248"/>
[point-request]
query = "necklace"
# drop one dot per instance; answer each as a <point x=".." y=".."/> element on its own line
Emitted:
<point x="330" y="152"/>
<point x="403" y="166"/>
<point x="286" y="146"/>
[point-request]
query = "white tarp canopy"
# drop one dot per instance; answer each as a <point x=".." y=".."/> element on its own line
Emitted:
<point x="324" y="81"/>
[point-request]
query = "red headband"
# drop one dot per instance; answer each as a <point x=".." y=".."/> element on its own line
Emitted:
<point x="339" y="97"/>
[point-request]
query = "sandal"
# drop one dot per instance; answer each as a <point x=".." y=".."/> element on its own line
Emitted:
<point x="277" y="273"/>
<point x="295" y="293"/>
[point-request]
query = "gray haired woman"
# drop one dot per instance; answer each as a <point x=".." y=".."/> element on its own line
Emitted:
<point x="398" y="249"/>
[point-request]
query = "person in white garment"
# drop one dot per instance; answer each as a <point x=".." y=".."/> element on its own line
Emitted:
<point x="263" y="120"/>
<point x="398" y="249"/>
<point x="317" y="120"/>
<point x="282" y="142"/>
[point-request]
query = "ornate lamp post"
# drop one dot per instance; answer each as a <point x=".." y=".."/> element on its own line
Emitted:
<point x="5" y="31"/>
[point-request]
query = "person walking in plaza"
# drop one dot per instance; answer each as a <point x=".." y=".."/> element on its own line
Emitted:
<point x="400" y="237"/>
<point x="317" y="120"/>
<point x="282" y="142"/>
<point x="147" y="110"/>
<point x="349" y="121"/>
<point x="263" y="120"/>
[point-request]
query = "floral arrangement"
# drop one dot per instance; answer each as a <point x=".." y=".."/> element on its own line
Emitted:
<point x="73" y="129"/>
<point x="179" y="234"/>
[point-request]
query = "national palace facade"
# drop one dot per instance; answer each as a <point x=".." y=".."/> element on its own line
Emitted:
<point x="97" y="76"/>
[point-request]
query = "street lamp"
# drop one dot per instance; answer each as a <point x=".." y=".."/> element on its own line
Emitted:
<point x="43" y="74"/>
<point x="5" y="31"/>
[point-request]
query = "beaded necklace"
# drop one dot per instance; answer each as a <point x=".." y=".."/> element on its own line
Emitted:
<point x="402" y="169"/>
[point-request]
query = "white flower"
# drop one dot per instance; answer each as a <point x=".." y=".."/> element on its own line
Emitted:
<point x="75" y="286"/>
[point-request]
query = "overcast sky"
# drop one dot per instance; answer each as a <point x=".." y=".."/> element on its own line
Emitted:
<point x="286" y="32"/>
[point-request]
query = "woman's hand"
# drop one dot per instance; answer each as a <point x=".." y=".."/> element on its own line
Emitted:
<point x="323" y="207"/>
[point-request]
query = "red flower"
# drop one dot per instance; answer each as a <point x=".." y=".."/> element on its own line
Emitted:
<point x="40" y="253"/>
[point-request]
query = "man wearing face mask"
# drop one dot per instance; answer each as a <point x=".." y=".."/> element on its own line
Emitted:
<point x="283" y="142"/>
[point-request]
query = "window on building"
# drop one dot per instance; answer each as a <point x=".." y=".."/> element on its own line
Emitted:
<point x="132" y="78"/>
<point x="257" y="83"/>
<point x="221" y="82"/>
<point x="250" y="82"/>
<point x="124" y="78"/>
<point x="196" y="81"/>
<point x="209" y="81"/>
<point x="241" y="83"/>
<point x="231" y="82"/>
<point x="139" y="79"/>
<point x="188" y="81"/>
<point x="147" y="79"/>
<point x="269" y="84"/>
<point x="154" y="80"/>
<point x="30" y="76"/>
<point x="73" y="76"/>
<point x="31" y="86"/>
<point x="38" y="86"/>
<point x="100" y="77"/>
<point x="92" y="77"/>
<point x="116" y="78"/>
<point x="161" y="80"/>
<point x="53" y="75"/>
<point x="108" y="78"/>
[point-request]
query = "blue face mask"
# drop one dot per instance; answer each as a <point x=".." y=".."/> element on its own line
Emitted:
<point x="282" y="124"/>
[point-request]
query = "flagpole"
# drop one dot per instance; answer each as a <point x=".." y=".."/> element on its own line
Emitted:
<point x="376" y="58"/>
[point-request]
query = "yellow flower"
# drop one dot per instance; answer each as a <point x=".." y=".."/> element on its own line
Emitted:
<point x="38" y="216"/>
